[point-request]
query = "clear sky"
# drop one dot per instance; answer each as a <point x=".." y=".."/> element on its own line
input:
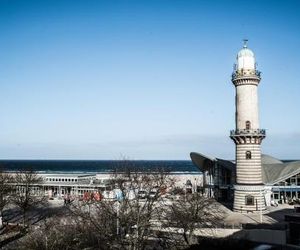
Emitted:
<point x="142" y="79"/>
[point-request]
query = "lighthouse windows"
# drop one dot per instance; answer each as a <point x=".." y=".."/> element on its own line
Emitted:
<point x="248" y="125"/>
<point x="249" y="200"/>
<point x="248" y="155"/>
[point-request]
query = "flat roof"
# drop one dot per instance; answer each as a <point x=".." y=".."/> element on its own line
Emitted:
<point x="66" y="175"/>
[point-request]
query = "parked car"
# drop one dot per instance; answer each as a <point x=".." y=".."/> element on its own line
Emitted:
<point x="142" y="194"/>
<point x="153" y="193"/>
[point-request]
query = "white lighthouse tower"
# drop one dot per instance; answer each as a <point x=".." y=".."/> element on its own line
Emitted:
<point x="248" y="189"/>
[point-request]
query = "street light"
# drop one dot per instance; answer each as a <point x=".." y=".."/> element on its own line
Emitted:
<point x="118" y="212"/>
<point x="260" y="207"/>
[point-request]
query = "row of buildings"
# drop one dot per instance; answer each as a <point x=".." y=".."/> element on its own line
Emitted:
<point x="58" y="185"/>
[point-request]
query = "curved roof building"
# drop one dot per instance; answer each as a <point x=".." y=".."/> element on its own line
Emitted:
<point x="282" y="179"/>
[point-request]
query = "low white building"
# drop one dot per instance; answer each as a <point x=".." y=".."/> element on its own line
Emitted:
<point x="57" y="185"/>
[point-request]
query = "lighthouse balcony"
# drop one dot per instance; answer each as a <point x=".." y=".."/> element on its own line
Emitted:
<point x="248" y="132"/>
<point x="242" y="73"/>
<point x="246" y="136"/>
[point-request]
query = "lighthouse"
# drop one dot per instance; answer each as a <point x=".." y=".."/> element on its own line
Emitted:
<point x="247" y="136"/>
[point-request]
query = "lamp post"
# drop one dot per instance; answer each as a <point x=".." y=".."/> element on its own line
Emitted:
<point x="119" y="198"/>
<point x="118" y="212"/>
<point x="260" y="193"/>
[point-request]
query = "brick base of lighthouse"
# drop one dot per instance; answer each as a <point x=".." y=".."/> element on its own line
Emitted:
<point x="249" y="198"/>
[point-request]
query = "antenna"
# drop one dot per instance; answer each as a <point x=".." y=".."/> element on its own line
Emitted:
<point x="245" y="43"/>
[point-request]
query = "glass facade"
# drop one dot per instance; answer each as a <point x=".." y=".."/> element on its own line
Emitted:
<point x="287" y="190"/>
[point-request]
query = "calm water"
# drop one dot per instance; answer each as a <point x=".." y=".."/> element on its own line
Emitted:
<point x="82" y="166"/>
<point x="100" y="166"/>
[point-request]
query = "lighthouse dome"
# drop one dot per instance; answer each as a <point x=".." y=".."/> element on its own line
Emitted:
<point x="245" y="59"/>
<point x="245" y="52"/>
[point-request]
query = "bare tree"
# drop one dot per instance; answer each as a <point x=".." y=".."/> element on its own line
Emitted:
<point x="186" y="216"/>
<point x="5" y="191"/>
<point x="130" y="219"/>
<point x="27" y="193"/>
<point x="141" y="203"/>
<point x="59" y="232"/>
<point x="137" y="216"/>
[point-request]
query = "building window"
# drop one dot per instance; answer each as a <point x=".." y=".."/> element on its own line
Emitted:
<point x="249" y="200"/>
<point x="248" y="125"/>
<point x="248" y="155"/>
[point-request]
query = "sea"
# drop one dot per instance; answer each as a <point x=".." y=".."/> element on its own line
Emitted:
<point x="96" y="166"/>
<point x="99" y="166"/>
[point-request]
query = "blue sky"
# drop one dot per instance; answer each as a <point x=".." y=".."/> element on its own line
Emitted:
<point x="142" y="79"/>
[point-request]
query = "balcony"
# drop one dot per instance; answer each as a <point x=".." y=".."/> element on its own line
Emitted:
<point x="246" y="73"/>
<point x="248" y="132"/>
